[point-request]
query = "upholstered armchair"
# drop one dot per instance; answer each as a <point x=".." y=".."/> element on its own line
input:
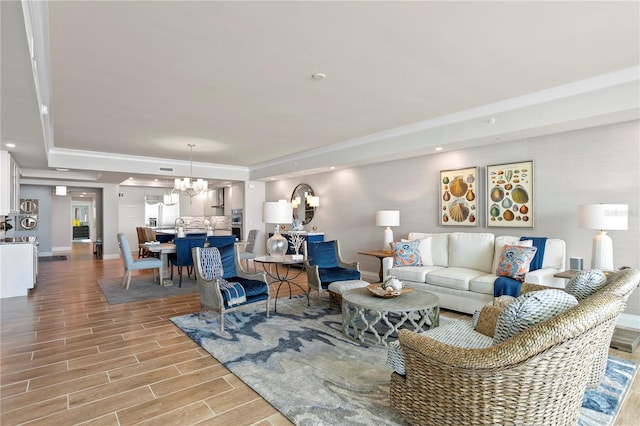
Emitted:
<point x="218" y="272"/>
<point x="131" y="264"/>
<point x="537" y="376"/>
<point x="324" y="265"/>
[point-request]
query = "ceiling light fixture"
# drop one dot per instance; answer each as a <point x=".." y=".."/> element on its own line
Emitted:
<point x="318" y="76"/>
<point x="188" y="185"/>
<point x="61" y="169"/>
<point x="10" y="145"/>
<point x="438" y="148"/>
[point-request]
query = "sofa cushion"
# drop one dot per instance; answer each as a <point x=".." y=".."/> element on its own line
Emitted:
<point x="531" y="309"/>
<point x="459" y="333"/>
<point x="471" y="250"/>
<point x="406" y="253"/>
<point x="515" y="261"/>
<point x="412" y="273"/>
<point x="506" y="240"/>
<point x="482" y="284"/>
<point x="585" y="283"/>
<point x="455" y="278"/>
<point x="439" y="246"/>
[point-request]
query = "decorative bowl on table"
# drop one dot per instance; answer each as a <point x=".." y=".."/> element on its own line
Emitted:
<point x="390" y="287"/>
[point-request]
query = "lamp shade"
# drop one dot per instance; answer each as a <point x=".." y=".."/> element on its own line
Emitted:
<point x="388" y="218"/>
<point x="604" y="216"/>
<point x="279" y="212"/>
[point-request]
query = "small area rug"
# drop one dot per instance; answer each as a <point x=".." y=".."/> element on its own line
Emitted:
<point x="143" y="288"/>
<point x="52" y="258"/>
<point x="299" y="361"/>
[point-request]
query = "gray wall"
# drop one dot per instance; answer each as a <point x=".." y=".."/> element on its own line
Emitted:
<point x="598" y="165"/>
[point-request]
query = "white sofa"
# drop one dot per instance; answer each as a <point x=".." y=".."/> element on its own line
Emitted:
<point x="461" y="271"/>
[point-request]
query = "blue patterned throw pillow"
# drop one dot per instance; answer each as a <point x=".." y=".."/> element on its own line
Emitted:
<point x="585" y="283"/>
<point x="514" y="261"/>
<point x="406" y="253"/>
<point x="530" y="309"/>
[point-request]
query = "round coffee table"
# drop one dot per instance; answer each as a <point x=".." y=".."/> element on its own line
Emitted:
<point x="373" y="319"/>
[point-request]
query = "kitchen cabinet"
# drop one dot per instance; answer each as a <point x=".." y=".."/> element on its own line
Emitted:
<point x="9" y="184"/>
<point x="18" y="263"/>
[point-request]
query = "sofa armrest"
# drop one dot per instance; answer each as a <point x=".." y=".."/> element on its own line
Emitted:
<point x="545" y="276"/>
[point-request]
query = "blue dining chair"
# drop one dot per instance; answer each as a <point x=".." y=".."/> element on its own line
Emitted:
<point x="220" y="240"/>
<point x="130" y="264"/>
<point x="183" y="254"/>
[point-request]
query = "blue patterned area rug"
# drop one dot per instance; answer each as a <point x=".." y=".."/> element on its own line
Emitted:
<point x="299" y="361"/>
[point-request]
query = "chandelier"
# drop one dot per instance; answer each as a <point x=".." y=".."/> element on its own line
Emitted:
<point x="188" y="185"/>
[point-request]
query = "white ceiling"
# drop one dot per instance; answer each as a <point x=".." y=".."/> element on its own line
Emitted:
<point x="129" y="84"/>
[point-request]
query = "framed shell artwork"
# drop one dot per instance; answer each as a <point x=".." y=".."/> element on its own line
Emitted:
<point x="510" y="195"/>
<point x="459" y="197"/>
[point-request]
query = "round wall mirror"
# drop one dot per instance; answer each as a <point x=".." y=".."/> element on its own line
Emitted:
<point x="301" y="208"/>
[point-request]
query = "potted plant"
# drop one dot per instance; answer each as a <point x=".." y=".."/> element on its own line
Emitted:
<point x="5" y="225"/>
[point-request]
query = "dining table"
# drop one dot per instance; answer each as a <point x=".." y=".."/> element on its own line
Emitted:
<point x="165" y="249"/>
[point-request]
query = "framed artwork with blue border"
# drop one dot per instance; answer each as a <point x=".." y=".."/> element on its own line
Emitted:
<point x="510" y="195"/>
<point x="459" y="197"/>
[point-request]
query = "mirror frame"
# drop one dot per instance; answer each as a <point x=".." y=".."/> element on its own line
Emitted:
<point x="301" y="190"/>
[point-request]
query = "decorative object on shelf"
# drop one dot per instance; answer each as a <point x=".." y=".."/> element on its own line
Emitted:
<point x="459" y="197"/>
<point x="313" y="201"/>
<point x="296" y="225"/>
<point x="296" y="242"/>
<point x="510" y="195"/>
<point x="188" y="185"/>
<point x="605" y="217"/>
<point x="387" y="218"/>
<point x="278" y="212"/>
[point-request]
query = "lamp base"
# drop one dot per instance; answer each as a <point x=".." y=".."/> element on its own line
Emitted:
<point x="602" y="252"/>
<point x="388" y="239"/>
<point x="277" y="245"/>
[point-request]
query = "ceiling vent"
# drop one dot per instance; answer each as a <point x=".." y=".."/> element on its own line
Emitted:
<point x="166" y="169"/>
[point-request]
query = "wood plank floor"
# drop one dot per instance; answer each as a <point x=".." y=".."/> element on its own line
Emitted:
<point x="67" y="357"/>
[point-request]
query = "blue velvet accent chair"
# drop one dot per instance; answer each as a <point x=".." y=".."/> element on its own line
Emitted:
<point x="211" y="267"/>
<point x="196" y="234"/>
<point x="324" y="265"/>
<point x="135" y="265"/>
<point x="183" y="254"/>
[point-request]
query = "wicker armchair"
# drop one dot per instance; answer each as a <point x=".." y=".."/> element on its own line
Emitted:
<point x="538" y="376"/>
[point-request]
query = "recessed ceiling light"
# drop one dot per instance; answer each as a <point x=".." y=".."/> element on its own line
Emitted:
<point x="10" y="145"/>
<point x="130" y="178"/>
<point x="332" y="167"/>
<point x="492" y="120"/>
<point x="438" y="148"/>
<point x="318" y="76"/>
<point x="61" y="170"/>
<point x="44" y="109"/>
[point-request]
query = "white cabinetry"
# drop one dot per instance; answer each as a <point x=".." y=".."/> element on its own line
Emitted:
<point x="17" y="274"/>
<point x="9" y="184"/>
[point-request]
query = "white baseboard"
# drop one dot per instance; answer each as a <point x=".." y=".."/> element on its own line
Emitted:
<point x="45" y="253"/>
<point x="56" y="249"/>
<point x="629" y="321"/>
<point x="111" y="256"/>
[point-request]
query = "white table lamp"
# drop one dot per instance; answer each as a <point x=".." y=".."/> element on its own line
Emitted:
<point x="279" y="213"/>
<point x="387" y="218"/>
<point x="605" y="217"/>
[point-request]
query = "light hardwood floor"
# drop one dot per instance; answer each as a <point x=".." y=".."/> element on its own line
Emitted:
<point x="68" y="357"/>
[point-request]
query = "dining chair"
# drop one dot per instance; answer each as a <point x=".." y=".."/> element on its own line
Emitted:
<point x="131" y="264"/>
<point x="249" y="248"/>
<point x="142" y="250"/>
<point x="183" y="254"/>
<point x="220" y="240"/>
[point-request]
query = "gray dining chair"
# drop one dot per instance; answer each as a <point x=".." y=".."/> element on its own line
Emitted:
<point x="131" y="264"/>
<point x="248" y="253"/>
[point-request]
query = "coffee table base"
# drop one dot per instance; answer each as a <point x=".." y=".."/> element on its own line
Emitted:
<point x="373" y="326"/>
